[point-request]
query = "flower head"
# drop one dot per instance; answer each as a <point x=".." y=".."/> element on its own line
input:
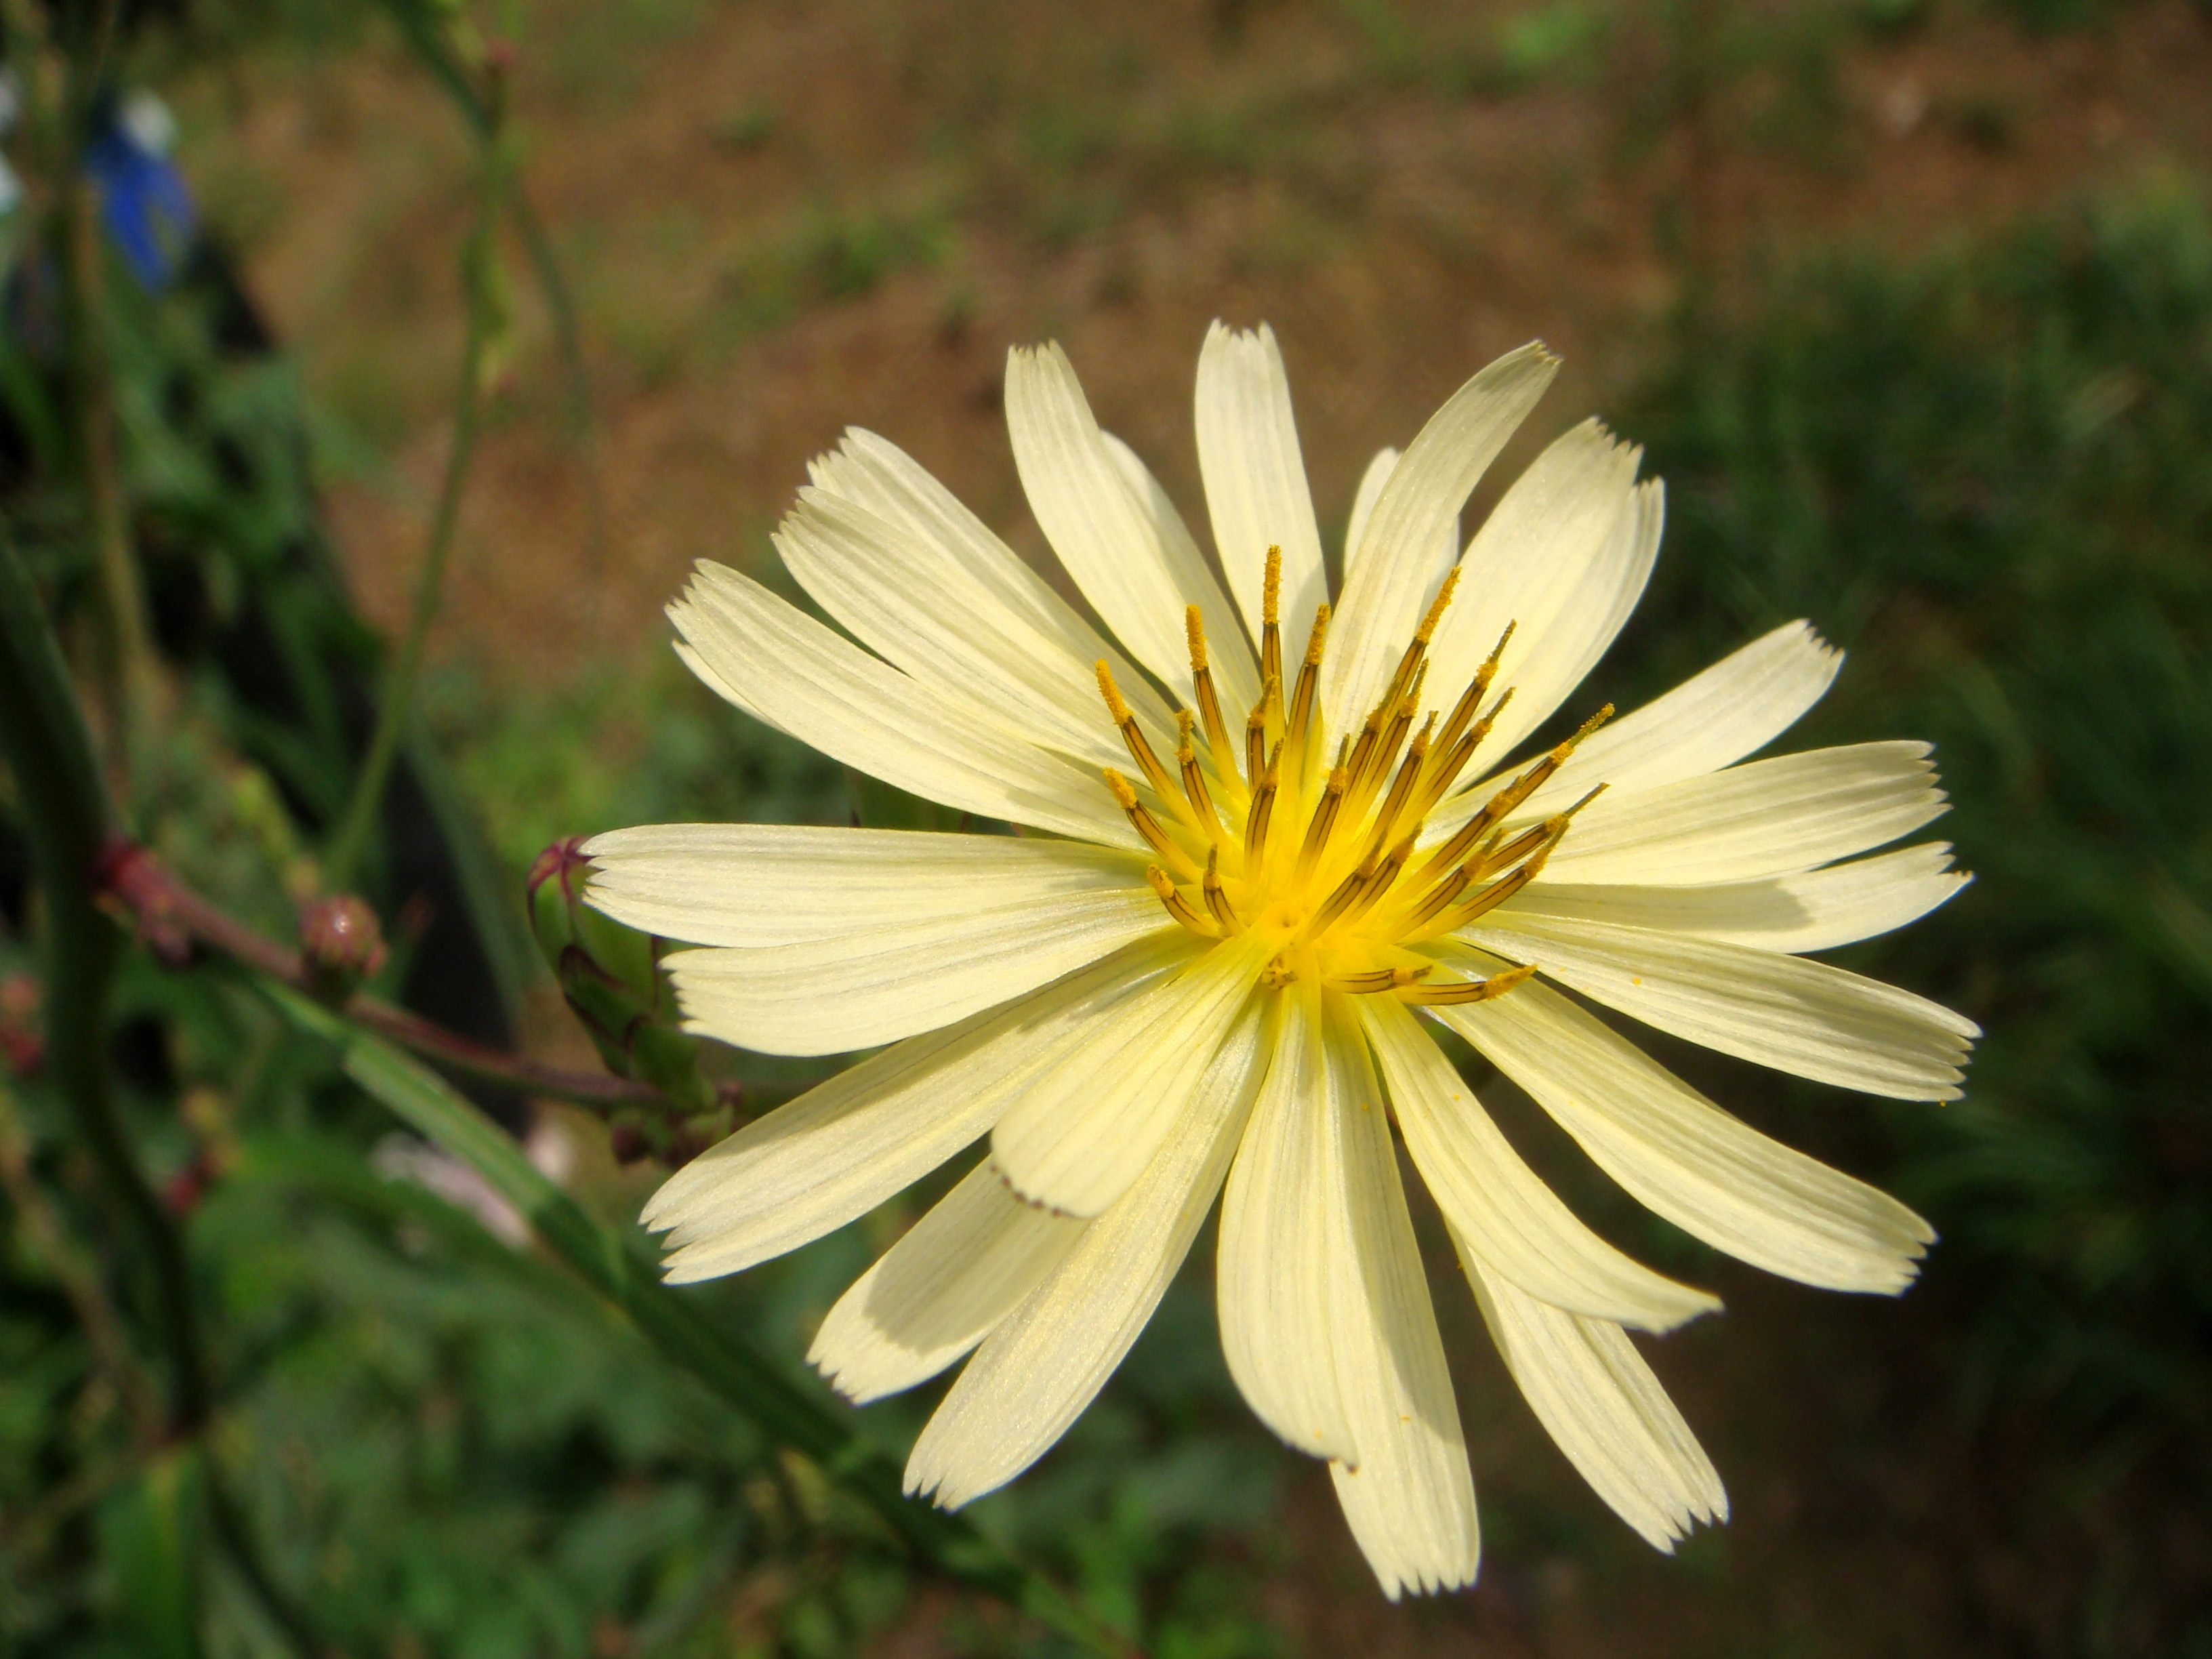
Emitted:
<point x="1283" y="838"/>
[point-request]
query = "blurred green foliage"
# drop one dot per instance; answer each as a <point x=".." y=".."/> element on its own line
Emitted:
<point x="1986" y="473"/>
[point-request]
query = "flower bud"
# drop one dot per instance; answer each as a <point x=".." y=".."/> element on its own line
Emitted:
<point x="612" y="978"/>
<point x="340" y="943"/>
<point x="22" y="1035"/>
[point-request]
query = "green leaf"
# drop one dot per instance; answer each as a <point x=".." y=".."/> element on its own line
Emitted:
<point x="613" y="1267"/>
<point x="150" y="1534"/>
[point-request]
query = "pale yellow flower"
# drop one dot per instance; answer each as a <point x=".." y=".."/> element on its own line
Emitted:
<point x="1277" y="841"/>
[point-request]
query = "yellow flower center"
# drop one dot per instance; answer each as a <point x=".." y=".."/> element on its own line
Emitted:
<point x="1319" y="855"/>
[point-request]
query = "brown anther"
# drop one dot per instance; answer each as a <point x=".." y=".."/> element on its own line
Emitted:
<point x="1473" y="990"/>
<point x="1324" y="821"/>
<point x="1177" y="905"/>
<point x="1367" y="779"/>
<point x="1255" y="738"/>
<point x="1133" y="735"/>
<point x="1371" y="735"/>
<point x="1217" y="901"/>
<point x="1385" y="875"/>
<point x="1147" y="825"/>
<point x="1194" y="785"/>
<point x="1505" y="857"/>
<point x="1495" y="895"/>
<point x="1438" y="899"/>
<point x="1299" y="721"/>
<point x="1379" y="980"/>
<point x="1471" y="699"/>
<point x="1255" y="820"/>
<point x="1339" y="901"/>
<point x="1414" y="659"/>
<point x="1209" y="701"/>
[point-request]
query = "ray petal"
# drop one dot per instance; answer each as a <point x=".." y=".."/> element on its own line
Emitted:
<point x="1810" y="910"/>
<point x="845" y="1146"/>
<point x="758" y="885"/>
<point x="1497" y="1205"/>
<point x="1284" y="1236"/>
<point x="1255" y="474"/>
<point x="783" y="667"/>
<point x="832" y="996"/>
<point x="941" y="1289"/>
<point x="1598" y="1399"/>
<point x="1082" y="1131"/>
<point x="1804" y="1017"/>
<point x="1035" y="1374"/>
<point x="1391" y="581"/>
<point x="1709" y="1174"/>
<point x="1139" y="581"/>
<point x="1410" y="1498"/>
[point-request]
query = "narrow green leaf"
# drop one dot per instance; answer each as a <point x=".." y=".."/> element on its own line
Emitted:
<point x="151" y="1533"/>
<point x="614" y="1268"/>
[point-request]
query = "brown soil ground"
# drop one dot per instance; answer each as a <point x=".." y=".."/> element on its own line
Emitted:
<point x="783" y="219"/>
<point x="780" y="218"/>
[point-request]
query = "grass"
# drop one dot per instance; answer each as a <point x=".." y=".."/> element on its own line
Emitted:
<point x="1985" y="474"/>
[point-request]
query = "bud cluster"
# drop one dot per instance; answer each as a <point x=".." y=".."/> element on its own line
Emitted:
<point x="611" y="976"/>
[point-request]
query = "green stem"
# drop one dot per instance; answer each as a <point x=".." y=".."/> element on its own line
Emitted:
<point x="167" y="910"/>
<point x="426" y="31"/>
<point x="57" y="126"/>
<point x="66" y="813"/>
<point x="68" y="817"/>
<point x="675" y="1325"/>
<point x="351" y="841"/>
<point x="79" y="1278"/>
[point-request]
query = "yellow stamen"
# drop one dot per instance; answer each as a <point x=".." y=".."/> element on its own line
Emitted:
<point x="1147" y="825"/>
<point x="1477" y="689"/>
<point x="1475" y="990"/>
<point x="1217" y="901"/>
<point x="1501" y="804"/>
<point x="1439" y="899"/>
<point x="1378" y="979"/>
<point x="1209" y="704"/>
<point x="1133" y="736"/>
<point x="1401" y="787"/>
<point x="1194" y="782"/>
<point x="1177" y="905"/>
<point x="1255" y="735"/>
<point x="1271" y="634"/>
<point x="1343" y="908"/>
<point x="1324" y="820"/>
<point x="1490" y="861"/>
<point x="1255" y="822"/>
<point x="1297" y="724"/>
<point x="1416" y="648"/>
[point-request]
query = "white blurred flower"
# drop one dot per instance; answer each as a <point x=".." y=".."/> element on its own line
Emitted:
<point x="1262" y="872"/>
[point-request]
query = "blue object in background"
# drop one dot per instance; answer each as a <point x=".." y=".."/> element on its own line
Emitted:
<point x="143" y="198"/>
